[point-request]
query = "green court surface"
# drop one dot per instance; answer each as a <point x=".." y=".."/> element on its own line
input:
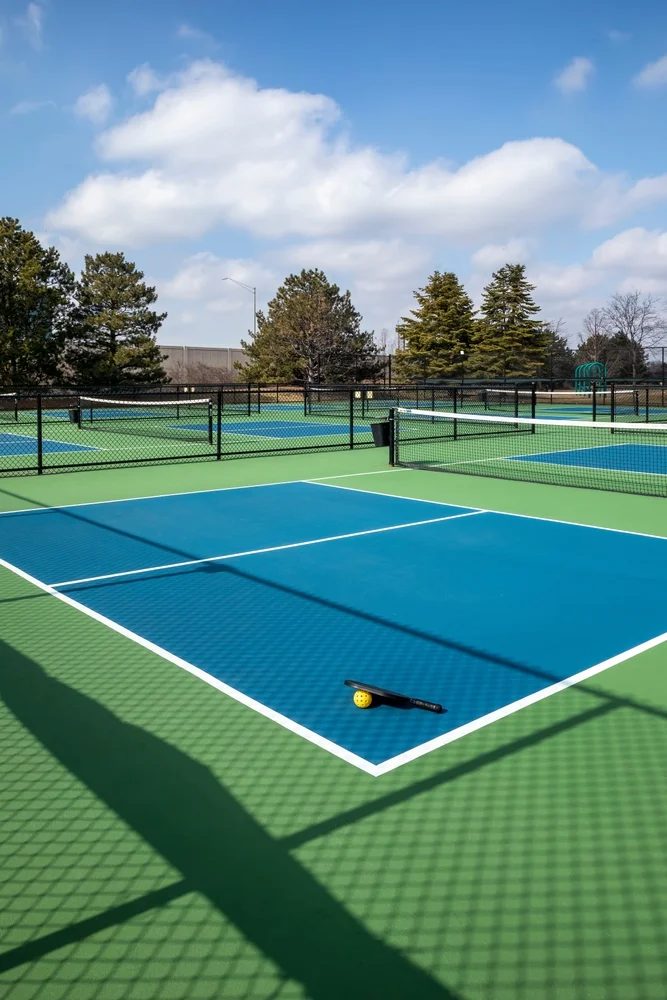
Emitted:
<point x="161" y="840"/>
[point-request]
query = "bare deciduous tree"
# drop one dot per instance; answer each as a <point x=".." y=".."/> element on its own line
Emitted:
<point x="594" y="339"/>
<point x="639" y="319"/>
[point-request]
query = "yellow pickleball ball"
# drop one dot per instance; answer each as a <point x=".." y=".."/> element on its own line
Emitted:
<point x="362" y="699"/>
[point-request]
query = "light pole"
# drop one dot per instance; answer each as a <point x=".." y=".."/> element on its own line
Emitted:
<point x="249" y="288"/>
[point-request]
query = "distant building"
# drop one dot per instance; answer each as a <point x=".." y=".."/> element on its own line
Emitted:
<point x="202" y="364"/>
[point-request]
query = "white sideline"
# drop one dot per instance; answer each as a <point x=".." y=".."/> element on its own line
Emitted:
<point x="516" y="706"/>
<point x="259" y="552"/>
<point x="491" y="510"/>
<point x="189" y="493"/>
<point x="257" y="706"/>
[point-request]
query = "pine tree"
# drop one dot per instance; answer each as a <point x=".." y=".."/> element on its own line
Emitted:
<point x="509" y="342"/>
<point x="35" y="305"/>
<point x="311" y="333"/>
<point x="115" y="339"/>
<point x="436" y="337"/>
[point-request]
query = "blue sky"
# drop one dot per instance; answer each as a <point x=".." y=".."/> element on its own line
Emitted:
<point x="378" y="141"/>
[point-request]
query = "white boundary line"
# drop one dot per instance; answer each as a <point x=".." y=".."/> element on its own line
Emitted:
<point x="376" y="770"/>
<point x="257" y="706"/>
<point x="259" y="552"/>
<point x="392" y="763"/>
<point x="153" y="496"/>
<point x="516" y="706"/>
<point x="535" y="457"/>
<point x="188" y="493"/>
<point x="491" y="510"/>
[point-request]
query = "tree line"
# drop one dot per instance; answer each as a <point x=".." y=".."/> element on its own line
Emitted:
<point x="445" y="337"/>
<point x="100" y="328"/>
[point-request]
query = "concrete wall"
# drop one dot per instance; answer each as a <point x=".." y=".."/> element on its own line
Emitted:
<point x="185" y="361"/>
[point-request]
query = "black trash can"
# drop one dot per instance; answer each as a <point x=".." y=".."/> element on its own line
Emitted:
<point x="74" y="414"/>
<point x="381" y="434"/>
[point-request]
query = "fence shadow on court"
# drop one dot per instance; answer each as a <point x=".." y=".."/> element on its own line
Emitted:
<point x="186" y="815"/>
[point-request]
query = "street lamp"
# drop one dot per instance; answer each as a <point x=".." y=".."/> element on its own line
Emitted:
<point x="249" y="288"/>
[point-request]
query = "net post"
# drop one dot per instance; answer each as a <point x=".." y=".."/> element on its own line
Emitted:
<point x="305" y="399"/>
<point x="218" y="438"/>
<point x="249" y="398"/>
<point x="351" y="419"/>
<point x="40" y="438"/>
<point x="533" y="402"/>
<point x="612" y="405"/>
<point x="79" y="420"/>
<point x="647" y="404"/>
<point x="16" y="407"/>
<point x="392" y="446"/>
<point x="210" y="422"/>
<point x="178" y="397"/>
<point x="594" y="400"/>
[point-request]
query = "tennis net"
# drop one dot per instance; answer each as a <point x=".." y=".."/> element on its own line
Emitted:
<point x="9" y="407"/>
<point x="623" y="457"/>
<point x="184" y="420"/>
<point x="645" y="403"/>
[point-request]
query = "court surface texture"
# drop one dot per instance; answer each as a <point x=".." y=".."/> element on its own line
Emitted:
<point x="192" y="804"/>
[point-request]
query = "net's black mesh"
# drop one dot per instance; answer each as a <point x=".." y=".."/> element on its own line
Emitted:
<point x="623" y="457"/>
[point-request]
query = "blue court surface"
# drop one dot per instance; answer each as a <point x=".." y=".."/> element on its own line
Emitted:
<point x="304" y="585"/>
<point x="287" y="429"/>
<point x="278" y="429"/>
<point x="647" y="458"/>
<point x="20" y="444"/>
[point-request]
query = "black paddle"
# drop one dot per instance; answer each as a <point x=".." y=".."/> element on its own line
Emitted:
<point x="400" y="699"/>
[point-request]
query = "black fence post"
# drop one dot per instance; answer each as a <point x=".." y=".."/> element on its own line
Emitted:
<point x="594" y="401"/>
<point x="392" y="444"/>
<point x="40" y="439"/>
<point x="533" y="406"/>
<point x="351" y="418"/>
<point x="218" y="436"/>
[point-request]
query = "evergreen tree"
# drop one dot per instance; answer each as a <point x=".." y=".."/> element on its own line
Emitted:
<point x="509" y="342"/>
<point x="436" y="337"/>
<point x="35" y="304"/>
<point x="310" y="333"/>
<point x="115" y="335"/>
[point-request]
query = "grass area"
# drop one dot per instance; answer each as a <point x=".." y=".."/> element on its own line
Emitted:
<point x="160" y="840"/>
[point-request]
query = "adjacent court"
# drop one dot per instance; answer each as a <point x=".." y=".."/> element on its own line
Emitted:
<point x="275" y="594"/>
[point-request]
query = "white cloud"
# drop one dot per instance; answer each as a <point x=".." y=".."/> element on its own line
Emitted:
<point x="204" y="309"/>
<point x="575" y="76"/>
<point x="28" y="107"/>
<point x="653" y="74"/>
<point x="186" y="31"/>
<point x="31" y="23"/>
<point x="222" y="151"/>
<point x="494" y="255"/>
<point x="143" y="80"/>
<point x="639" y="252"/>
<point x="95" y="104"/>
<point x="618" y="36"/>
<point x="374" y="265"/>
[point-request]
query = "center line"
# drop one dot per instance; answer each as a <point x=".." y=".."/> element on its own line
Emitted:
<point x="259" y="552"/>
